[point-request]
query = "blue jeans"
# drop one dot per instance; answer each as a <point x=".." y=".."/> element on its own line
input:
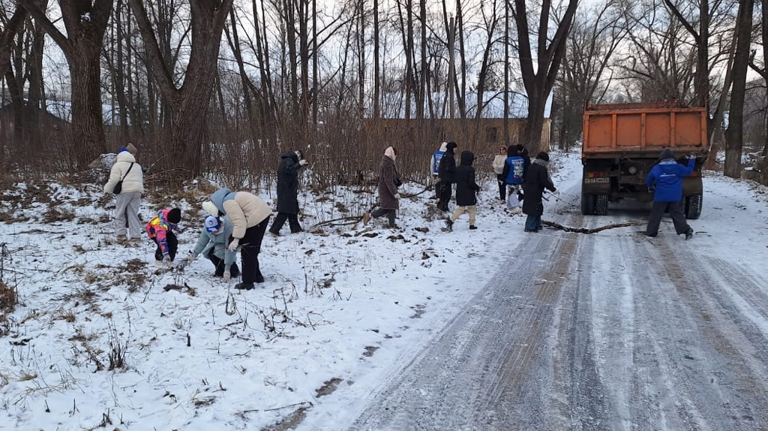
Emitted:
<point x="532" y="223"/>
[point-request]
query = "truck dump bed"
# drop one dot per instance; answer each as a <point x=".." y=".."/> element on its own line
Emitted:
<point x="643" y="128"/>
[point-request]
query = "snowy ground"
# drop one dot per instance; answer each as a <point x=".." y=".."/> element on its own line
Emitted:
<point x="342" y="309"/>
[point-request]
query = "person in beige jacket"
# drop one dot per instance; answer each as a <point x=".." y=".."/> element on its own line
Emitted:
<point x="250" y="216"/>
<point x="128" y="200"/>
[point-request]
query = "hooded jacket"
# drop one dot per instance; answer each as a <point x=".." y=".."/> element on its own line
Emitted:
<point x="133" y="182"/>
<point x="218" y="243"/>
<point x="288" y="183"/>
<point x="243" y="209"/>
<point x="447" y="166"/>
<point x="466" y="187"/>
<point x="158" y="229"/>
<point x="387" y="187"/>
<point x="536" y="180"/>
<point x="667" y="177"/>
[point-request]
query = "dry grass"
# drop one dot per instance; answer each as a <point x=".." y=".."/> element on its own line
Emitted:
<point x="9" y="299"/>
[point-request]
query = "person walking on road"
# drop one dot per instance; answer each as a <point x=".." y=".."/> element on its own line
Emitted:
<point x="536" y="180"/>
<point x="666" y="180"/>
<point x="287" y="191"/>
<point x="447" y="170"/>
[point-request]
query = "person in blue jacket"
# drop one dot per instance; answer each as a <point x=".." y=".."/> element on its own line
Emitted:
<point x="667" y="180"/>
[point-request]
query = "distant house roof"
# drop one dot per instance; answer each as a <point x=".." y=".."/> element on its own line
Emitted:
<point x="493" y="106"/>
<point x="63" y="110"/>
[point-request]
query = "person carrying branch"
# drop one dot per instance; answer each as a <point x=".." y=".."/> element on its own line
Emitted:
<point x="536" y="180"/>
<point x="666" y="181"/>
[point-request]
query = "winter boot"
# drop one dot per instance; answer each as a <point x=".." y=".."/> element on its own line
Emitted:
<point x="472" y="227"/>
<point x="449" y="225"/>
<point x="244" y="286"/>
<point x="689" y="234"/>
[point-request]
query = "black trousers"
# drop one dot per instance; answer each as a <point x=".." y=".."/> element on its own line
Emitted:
<point x="173" y="245"/>
<point x="249" y="251"/>
<point x="293" y="222"/>
<point x="234" y="271"/>
<point x="502" y="187"/>
<point x="675" y="210"/>
<point x="446" y="190"/>
<point x="438" y="184"/>
<point x="378" y="212"/>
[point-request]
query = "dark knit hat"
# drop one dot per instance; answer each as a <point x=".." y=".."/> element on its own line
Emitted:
<point x="451" y="145"/>
<point x="543" y="156"/>
<point x="667" y="154"/>
<point x="174" y="216"/>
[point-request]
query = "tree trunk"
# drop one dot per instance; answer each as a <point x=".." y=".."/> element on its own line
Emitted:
<point x="734" y="136"/>
<point x="376" y="73"/>
<point x="87" y="120"/>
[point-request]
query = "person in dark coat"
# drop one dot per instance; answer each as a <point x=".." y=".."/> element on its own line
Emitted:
<point x="536" y="180"/>
<point x="389" y="198"/>
<point x="287" y="190"/>
<point x="466" y="189"/>
<point x="667" y="178"/>
<point x="446" y="170"/>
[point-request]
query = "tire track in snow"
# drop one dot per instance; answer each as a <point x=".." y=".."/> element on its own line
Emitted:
<point x="476" y="374"/>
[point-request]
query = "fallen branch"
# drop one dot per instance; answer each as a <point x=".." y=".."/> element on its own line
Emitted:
<point x="588" y="230"/>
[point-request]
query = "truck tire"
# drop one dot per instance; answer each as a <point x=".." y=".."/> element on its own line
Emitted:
<point x="587" y="204"/>
<point x="601" y="205"/>
<point x="693" y="206"/>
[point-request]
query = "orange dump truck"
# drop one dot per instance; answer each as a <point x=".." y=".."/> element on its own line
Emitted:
<point x="621" y="143"/>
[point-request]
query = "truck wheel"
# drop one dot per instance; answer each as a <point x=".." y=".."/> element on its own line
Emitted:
<point x="693" y="206"/>
<point x="601" y="205"/>
<point x="587" y="204"/>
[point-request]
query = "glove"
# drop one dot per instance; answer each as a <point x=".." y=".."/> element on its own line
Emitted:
<point x="397" y="196"/>
<point x="227" y="276"/>
<point x="167" y="261"/>
<point x="233" y="245"/>
<point x="303" y="162"/>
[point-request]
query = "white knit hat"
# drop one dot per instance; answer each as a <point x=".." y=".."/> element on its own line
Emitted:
<point x="210" y="208"/>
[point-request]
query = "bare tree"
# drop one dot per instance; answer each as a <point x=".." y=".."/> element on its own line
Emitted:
<point x="190" y="101"/>
<point x="85" y="23"/>
<point x="539" y="80"/>
<point x="596" y="34"/>
<point x="7" y="33"/>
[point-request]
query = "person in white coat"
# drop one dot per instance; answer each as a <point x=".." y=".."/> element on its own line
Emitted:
<point x="129" y="174"/>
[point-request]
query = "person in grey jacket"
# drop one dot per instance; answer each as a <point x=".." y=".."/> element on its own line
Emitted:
<point x="213" y="244"/>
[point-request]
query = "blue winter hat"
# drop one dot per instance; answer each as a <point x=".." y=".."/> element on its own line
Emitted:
<point x="212" y="224"/>
<point x="123" y="149"/>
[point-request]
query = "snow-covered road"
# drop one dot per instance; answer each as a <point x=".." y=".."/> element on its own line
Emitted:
<point x="605" y="331"/>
